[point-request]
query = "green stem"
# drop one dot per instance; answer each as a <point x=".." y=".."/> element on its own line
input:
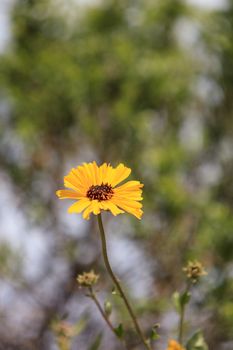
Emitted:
<point x="182" y="314"/>
<point x="117" y="284"/>
<point x="96" y="301"/>
<point x="181" y="324"/>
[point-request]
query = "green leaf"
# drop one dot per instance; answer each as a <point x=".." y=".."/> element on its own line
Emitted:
<point x="176" y="301"/>
<point x="197" y="342"/>
<point x="180" y="300"/>
<point x="119" y="331"/>
<point x="184" y="298"/>
<point x="154" y="335"/>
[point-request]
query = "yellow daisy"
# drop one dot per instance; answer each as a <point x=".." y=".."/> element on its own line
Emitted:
<point x="95" y="189"/>
<point x="173" y="345"/>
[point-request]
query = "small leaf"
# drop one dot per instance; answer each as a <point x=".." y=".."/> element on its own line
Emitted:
<point x="184" y="298"/>
<point x="197" y="342"/>
<point x="180" y="300"/>
<point x="154" y="335"/>
<point x="119" y="331"/>
<point x="176" y="301"/>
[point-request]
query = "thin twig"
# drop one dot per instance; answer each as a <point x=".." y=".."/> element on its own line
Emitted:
<point x="93" y="296"/>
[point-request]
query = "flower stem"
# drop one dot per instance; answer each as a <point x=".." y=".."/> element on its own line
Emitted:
<point x="182" y="314"/>
<point x="117" y="284"/>
<point x="181" y="324"/>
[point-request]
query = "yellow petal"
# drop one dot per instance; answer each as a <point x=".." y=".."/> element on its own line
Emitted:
<point x="129" y="203"/>
<point x="136" y="212"/>
<point x="129" y="186"/>
<point x="131" y="207"/>
<point x="120" y="173"/>
<point x="79" y="206"/>
<point x="87" y="212"/>
<point x="62" y="194"/>
<point x="70" y="182"/>
<point x="108" y="174"/>
<point x="96" y="206"/>
<point x="89" y="168"/>
<point x="108" y="205"/>
<point x="77" y="176"/>
<point x="102" y="173"/>
<point x="133" y="195"/>
<point x="96" y="171"/>
<point x="82" y="173"/>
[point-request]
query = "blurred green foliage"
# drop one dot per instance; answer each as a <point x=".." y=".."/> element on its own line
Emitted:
<point x="114" y="82"/>
<point x="10" y="262"/>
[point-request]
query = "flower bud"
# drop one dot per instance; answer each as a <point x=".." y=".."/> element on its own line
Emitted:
<point x="87" y="279"/>
<point x="108" y="308"/>
<point x="194" y="270"/>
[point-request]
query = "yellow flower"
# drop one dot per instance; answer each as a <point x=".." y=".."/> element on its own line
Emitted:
<point x="173" y="345"/>
<point x="95" y="189"/>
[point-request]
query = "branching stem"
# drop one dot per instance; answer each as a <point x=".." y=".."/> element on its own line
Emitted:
<point x="117" y="284"/>
<point x="105" y="317"/>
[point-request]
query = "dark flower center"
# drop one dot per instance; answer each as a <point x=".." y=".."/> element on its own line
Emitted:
<point x="101" y="192"/>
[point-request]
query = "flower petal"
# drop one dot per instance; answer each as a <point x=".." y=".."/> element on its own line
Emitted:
<point x="84" y="176"/>
<point x="102" y="173"/>
<point x="79" y="206"/>
<point x="108" y="173"/>
<point x="71" y="181"/>
<point x="96" y="171"/>
<point x="79" y="178"/>
<point x="63" y="194"/>
<point x="90" y="171"/>
<point x="87" y="212"/>
<point x="131" y="207"/>
<point x="133" y="195"/>
<point x="129" y="186"/>
<point x="129" y="203"/>
<point x="120" y="173"/>
<point x="108" y="205"/>
<point x="96" y="205"/>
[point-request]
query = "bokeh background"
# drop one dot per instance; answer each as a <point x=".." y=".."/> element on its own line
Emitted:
<point x="146" y="83"/>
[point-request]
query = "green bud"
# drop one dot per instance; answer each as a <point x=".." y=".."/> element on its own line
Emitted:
<point x="108" y="308"/>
